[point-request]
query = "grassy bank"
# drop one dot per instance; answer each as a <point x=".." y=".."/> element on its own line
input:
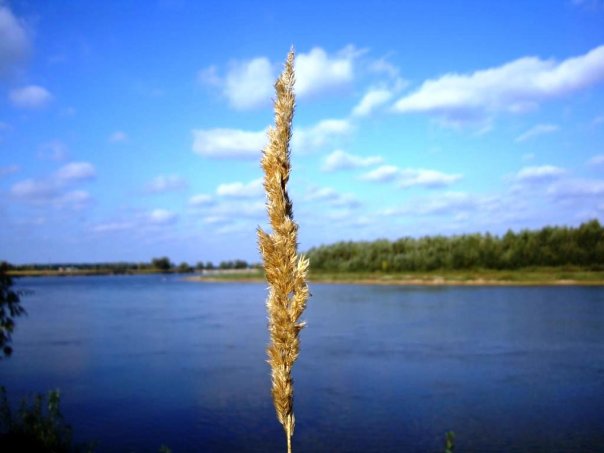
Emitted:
<point x="532" y="276"/>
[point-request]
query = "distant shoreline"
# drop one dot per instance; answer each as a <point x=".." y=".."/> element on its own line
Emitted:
<point x="414" y="282"/>
<point x="478" y="278"/>
<point x="530" y="277"/>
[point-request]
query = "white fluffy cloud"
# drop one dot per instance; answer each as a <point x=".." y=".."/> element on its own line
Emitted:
<point x="249" y="83"/>
<point x="166" y="183"/>
<point x="513" y="87"/>
<point x="253" y="189"/>
<point x="225" y="143"/>
<point x="535" y="131"/>
<point x="539" y="173"/>
<point x="340" y="160"/>
<point x="371" y="100"/>
<point x="316" y="71"/>
<point x="410" y="177"/>
<point x="238" y="143"/>
<point x="14" y="40"/>
<point x="30" y="97"/>
<point x="305" y="139"/>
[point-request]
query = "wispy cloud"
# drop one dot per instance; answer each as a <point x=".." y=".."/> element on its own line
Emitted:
<point x="410" y="177"/>
<point x="305" y="139"/>
<point x="53" y="150"/>
<point x="577" y="188"/>
<point x="9" y="170"/>
<point x="161" y="217"/>
<point x="372" y="99"/>
<point x="233" y="209"/>
<point x="380" y="92"/>
<point x="593" y="5"/>
<point x="111" y="227"/>
<point x="446" y="203"/>
<point x="526" y="157"/>
<point x="76" y="171"/>
<point x="539" y="173"/>
<point x="535" y="131"/>
<point x="34" y="190"/>
<point x="381" y="174"/>
<point x="137" y="221"/>
<point x="57" y="190"/>
<point x="75" y="199"/>
<point x="14" y="41"/>
<point x="514" y="87"/>
<point x="253" y="189"/>
<point x="117" y="137"/>
<point x="228" y="143"/>
<point x="332" y="197"/>
<point x="30" y="97"/>
<point x="50" y="193"/>
<point x="200" y="199"/>
<point x="598" y="159"/>
<point x="340" y="160"/>
<point x="427" y="178"/>
<point x="166" y="183"/>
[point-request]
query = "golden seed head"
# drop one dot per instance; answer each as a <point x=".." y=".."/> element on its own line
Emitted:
<point x="285" y="269"/>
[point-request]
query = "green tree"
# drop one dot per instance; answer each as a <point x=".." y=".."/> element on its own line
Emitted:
<point x="184" y="268"/>
<point x="162" y="264"/>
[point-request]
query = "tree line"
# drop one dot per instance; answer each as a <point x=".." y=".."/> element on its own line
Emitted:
<point x="159" y="264"/>
<point x="550" y="246"/>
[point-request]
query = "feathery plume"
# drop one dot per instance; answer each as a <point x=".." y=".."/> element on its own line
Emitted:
<point x="285" y="269"/>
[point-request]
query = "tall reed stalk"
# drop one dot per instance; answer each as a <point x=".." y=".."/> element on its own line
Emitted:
<point x="285" y="269"/>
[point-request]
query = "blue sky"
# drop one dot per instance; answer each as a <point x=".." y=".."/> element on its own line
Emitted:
<point x="130" y="130"/>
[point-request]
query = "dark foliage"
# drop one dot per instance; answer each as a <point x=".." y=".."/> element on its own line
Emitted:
<point x="237" y="264"/>
<point x="163" y="263"/>
<point x="551" y="246"/>
<point x="10" y="308"/>
<point x="37" y="426"/>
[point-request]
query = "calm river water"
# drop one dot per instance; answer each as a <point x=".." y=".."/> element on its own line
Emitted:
<point x="150" y="360"/>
